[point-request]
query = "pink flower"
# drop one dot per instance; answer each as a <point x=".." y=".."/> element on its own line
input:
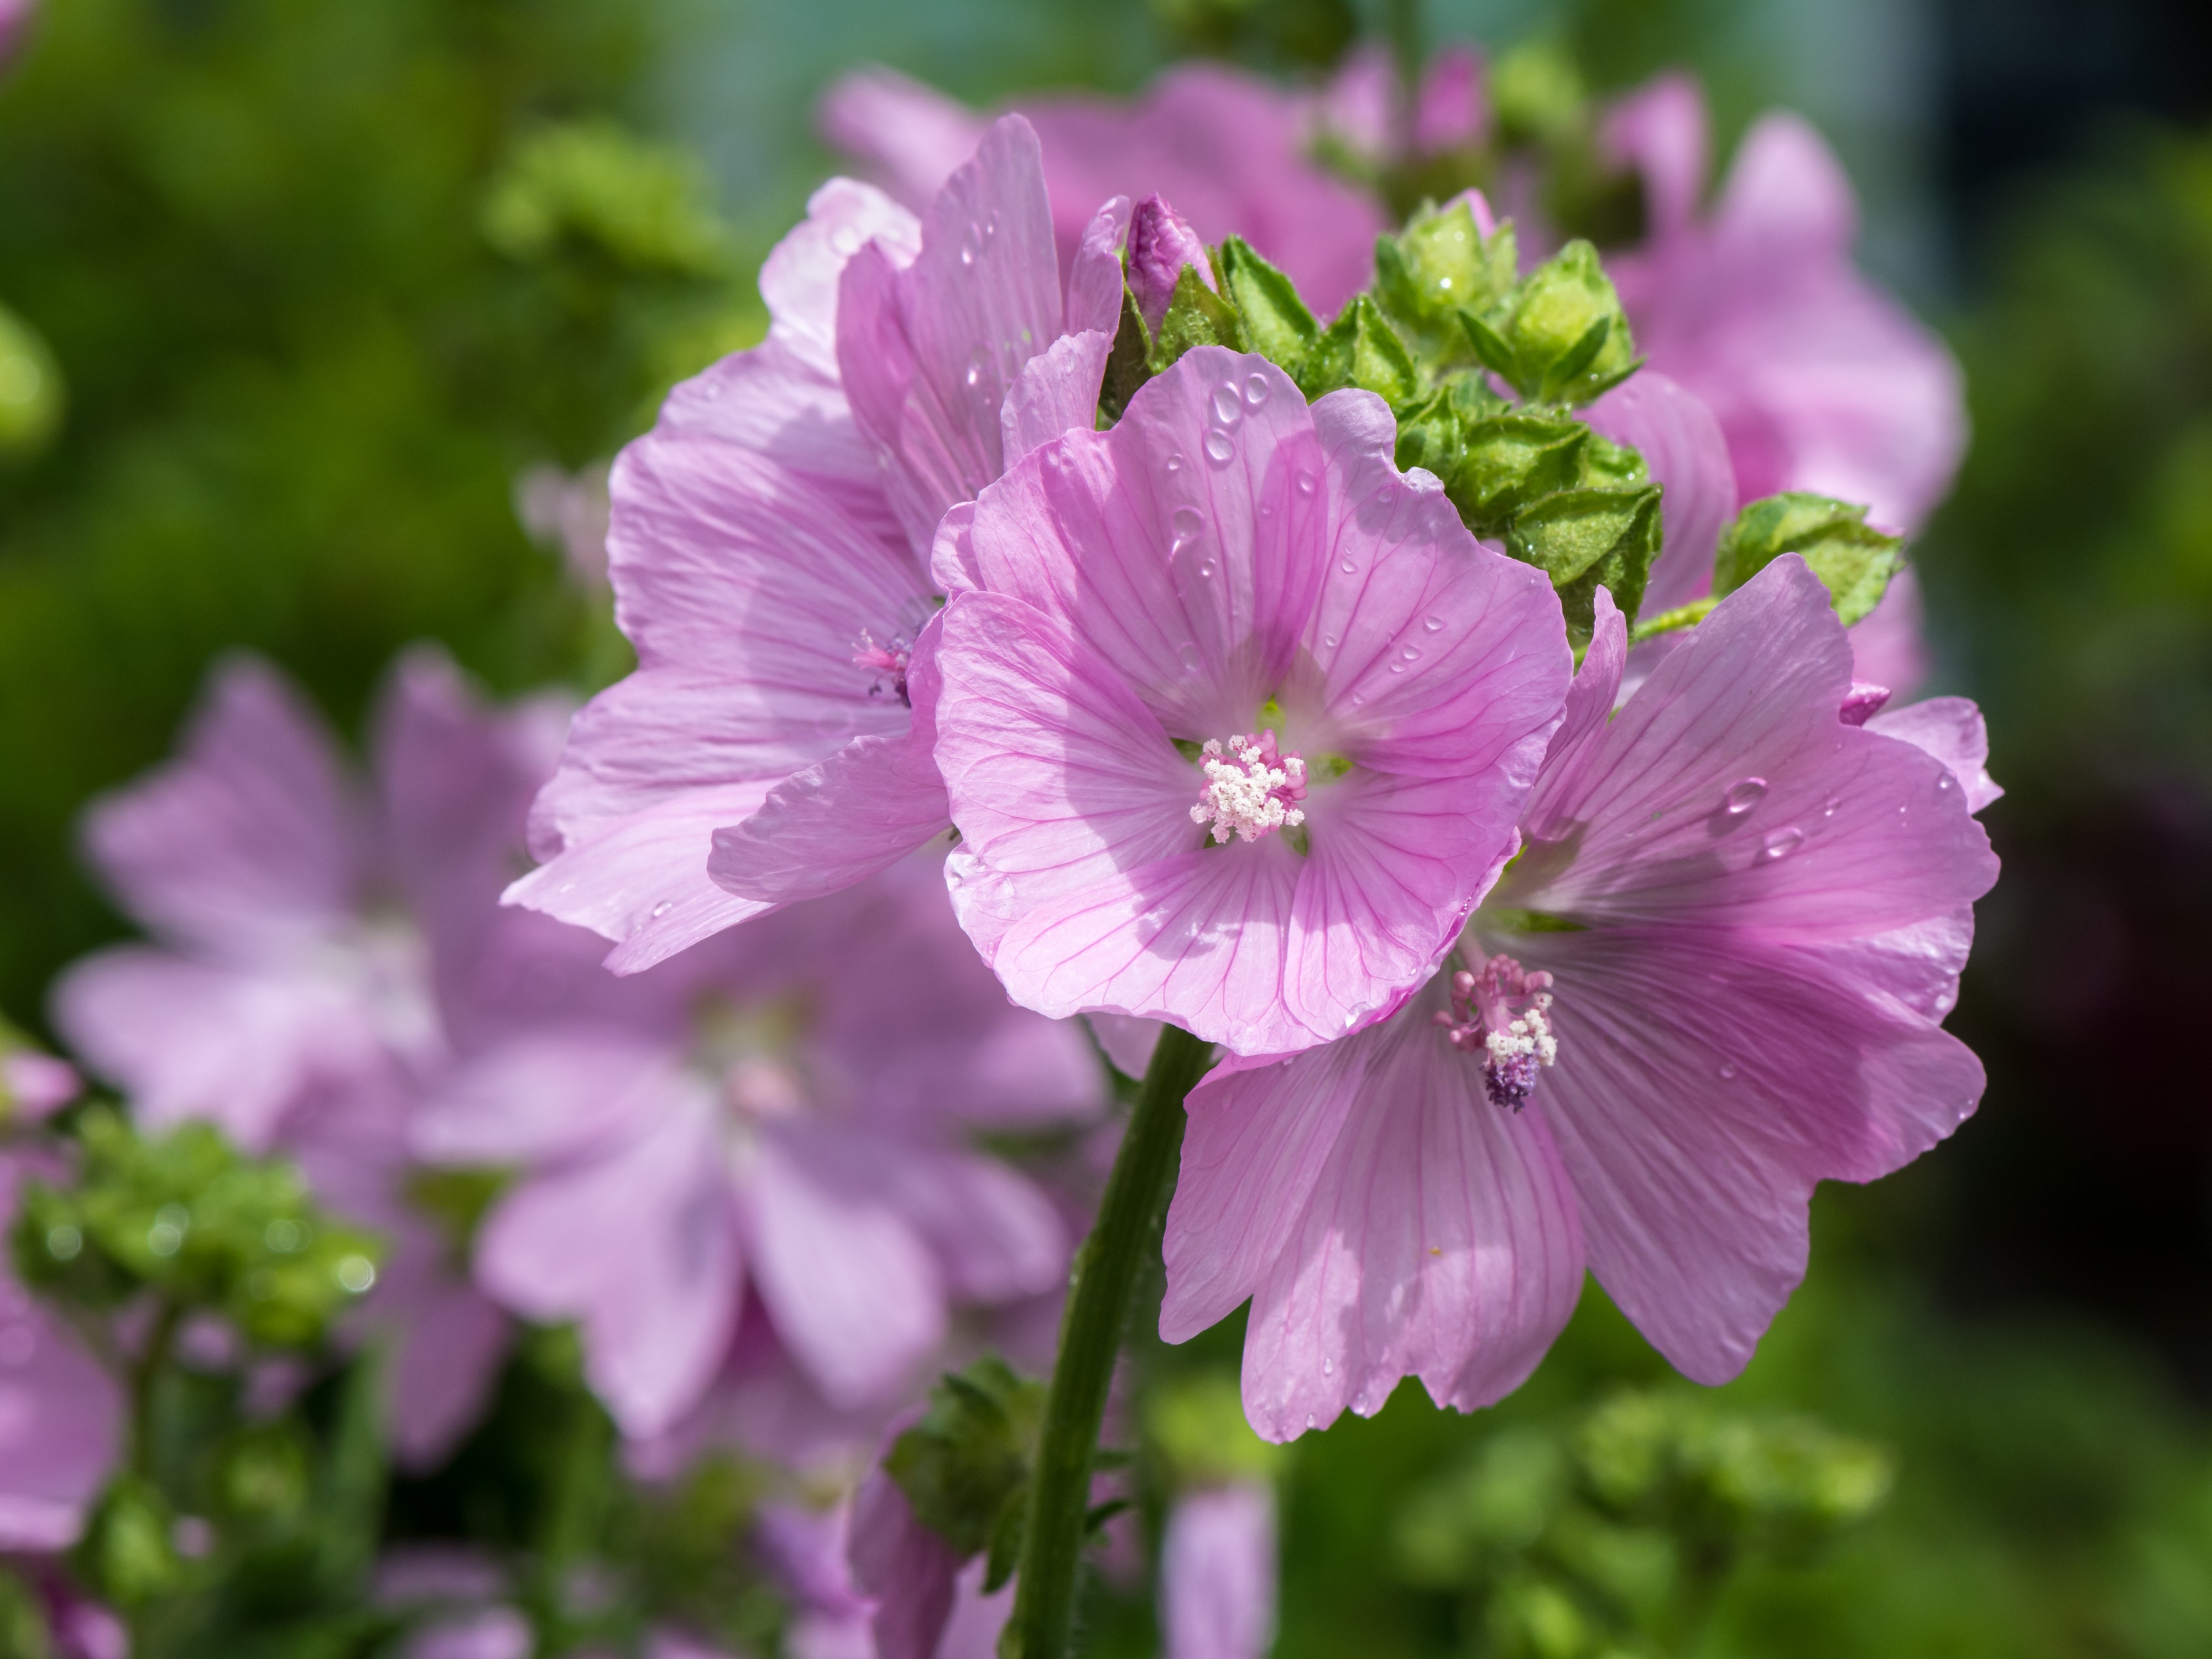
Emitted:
<point x="780" y="1117"/>
<point x="1358" y="110"/>
<point x="1752" y="918"/>
<point x="1161" y="244"/>
<point x="1231" y="566"/>
<point x="319" y="944"/>
<point x="1227" y="149"/>
<point x="768" y="554"/>
<point x="61" y="1415"/>
<point x="1217" y="1574"/>
<point x="925" y="1602"/>
<point x="1821" y="381"/>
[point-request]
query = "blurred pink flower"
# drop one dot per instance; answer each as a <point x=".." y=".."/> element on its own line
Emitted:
<point x="783" y="1116"/>
<point x="1229" y="566"/>
<point x="61" y="1414"/>
<point x="14" y="20"/>
<point x="770" y="549"/>
<point x="320" y="945"/>
<point x="1819" y="381"/>
<point x="1217" y="1574"/>
<point x="1228" y="148"/>
<point x="1713" y="977"/>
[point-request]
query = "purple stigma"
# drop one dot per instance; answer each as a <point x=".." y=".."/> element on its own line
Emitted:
<point x="1501" y="1011"/>
<point x="888" y="662"/>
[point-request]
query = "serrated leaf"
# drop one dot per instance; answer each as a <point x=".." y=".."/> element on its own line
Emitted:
<point x="1856" y="560"/>
<point x="1196" y="316"/>
<point x="1585" y="538"/>
<point x="1360" y="349"/>
<point x="1509" y="461"/>
<point x="1275" y="321"/>
<point x="969" y="1456"/>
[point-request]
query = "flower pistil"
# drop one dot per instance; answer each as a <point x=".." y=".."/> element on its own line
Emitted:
<point x="1252" y="789"/>
<point x="1502" y="1011"/>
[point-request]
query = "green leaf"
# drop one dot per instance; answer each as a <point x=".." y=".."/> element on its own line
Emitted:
<point x="967" y="1461"/>
<point x="1585" y="538"/>
<point x="1510" y="461"/>
<point x="1360" y="349"/>
<point x="1275" y="321"/>
<point x="1196" y="316"/>
<point x="1853" y="558"/>
<point x="1128" y="364"/>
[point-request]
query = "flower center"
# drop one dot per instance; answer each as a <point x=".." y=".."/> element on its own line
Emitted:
<point x="1501" y="1010"/>
<point x="1252" y="788"/>
<point x="889" y="662"/>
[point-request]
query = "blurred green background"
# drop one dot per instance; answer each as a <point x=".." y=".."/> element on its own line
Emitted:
<point x="318" y="281"/>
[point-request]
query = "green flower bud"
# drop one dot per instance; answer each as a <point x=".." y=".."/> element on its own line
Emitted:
<point x="1853" y="558"/>
<point x="1560" y="336"/>
<point x="126" y="1557"/>
<point x="965" y="1466"/>
<point x="1360" y="349"/>
<point x="1437" y="266"/>
<point x="1537" y="93"/>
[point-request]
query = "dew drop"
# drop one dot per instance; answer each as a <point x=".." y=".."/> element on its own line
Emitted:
<point x="1256" y="390"/>
<point x="1305" y="483"/>
<point x="1943" y="783"/>
<point x="1830" y="810"/>
<point x="1228" y="409"/>
<point x="1310" y="1420"/>
<point x="1397" y="668"/>
<point x="1329" y="639"/>
<point x="1187" y="522"/>
<point x="1206" y="568"/>
<point x="1328" y="1368"/>
<point x="1727" y="1070"/>
<point x="1943" y="1001"/>
<point x="1186" y="653"/>
<point x="1174" y="464"/>
<point x="1219" y="448"/>
<point x="1412" y="653"/>
<point x="1781" y="844"/>
<point x="1742" y="795"/>
<point x="1349" y="567"/>
<point x="1434" y="624"/>
<point x="968" y="254"/>
<point x="663" y="908"/>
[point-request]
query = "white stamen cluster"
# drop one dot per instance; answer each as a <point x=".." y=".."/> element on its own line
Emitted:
<point x="1249" y="788"/>
<point x="1528" y="1034"/>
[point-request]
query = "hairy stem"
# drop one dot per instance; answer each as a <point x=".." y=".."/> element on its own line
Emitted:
<point x="1091" y="1332"/>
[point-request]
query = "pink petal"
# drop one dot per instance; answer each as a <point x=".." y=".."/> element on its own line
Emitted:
<point x="450" y="1344"/>
<point x="1953" y="730"/>
<point x="1728" y="793"/>
<point x="1687" y="453"/>
<point x="857" y="812"/>
<point x="798" y="279"/>
<point x="1704" y="1084"/>
<point x="907" y="1568"/>
<point x="191" y="1041"/>
<point x="853" y="1291"/>
<point x="994" y="1235"/>
<point x="249" y="840"/>
<point x="1452" y="109"/>
<point x="1218" y="1574"/>
<point x="927" y="355"/>
<point x="1094" y="276"/>
<point x="553" y="1094"/>
<point x="658" y="1301"/>
<point x="1437" y="1236"/>
<point x="1589" y="705"/>
<point x="644" y="881"/>
<point x="1056" y="390"/>
<point x="61" y="1421"/>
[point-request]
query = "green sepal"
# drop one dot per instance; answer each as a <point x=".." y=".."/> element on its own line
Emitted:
<point x="1361" y="349"/>
<point x="1561" y="336"/>
<point x="1128" y="364"/>
<point x="1276" y="322"/>
<point x="1433" y="431"/>
<point x="966" y="1464"/>
<point x="1583" y="539"/>
<point x="1439" y="266"/>
<point x="1510" y="461"/>
<point x="1196" y="316"/>
<point x="1853" y="558"/>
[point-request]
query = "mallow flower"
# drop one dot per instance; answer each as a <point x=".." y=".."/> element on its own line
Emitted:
<point x="1713" y="976"/>
<point x="1237" y="719"/>
<point x="314" y="938"/>
<point x="784" y="1116"/>
<point x="768" y="552"/>
<point x="1229" y="150"/>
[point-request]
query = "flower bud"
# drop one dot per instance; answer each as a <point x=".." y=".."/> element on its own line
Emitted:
<point x="1161" y="243"/>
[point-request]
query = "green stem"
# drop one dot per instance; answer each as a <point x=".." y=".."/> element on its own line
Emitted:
<point x="145" y="1376"/>
<point x="1091" y="1332"/>
<point x="1407" y="48"/>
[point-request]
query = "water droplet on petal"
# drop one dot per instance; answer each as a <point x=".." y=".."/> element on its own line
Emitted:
<point x="1943" y="783"/>
<point x="1187" y="653"/>
<point x="1329" y="639"/>
<point x="1228" y="409"/>
<point x="1188" y="521"/>
<point x="1727" y="1070"/>
<point x="1781" y="844"/>
<point x="1310" y="1420"/>
<point x="1943" y="1001"/>
<point x="1742" y="795"/>
<point x="1205" y="567"/>
<point x="1256" y="389"/>
<point x="1219" y="448"/>
<point x="1412" y="653"/>
<point x="1174" y="464"/>
<point x="1434" y="624"/>
<point x="1397" y="668"/>
<point x="1349" y="567"/>
<point x="663" y="908"/>
<point x="1328" y="1368"/>
<point x="1829" y="810"/>
<point x="1305" y="483"/>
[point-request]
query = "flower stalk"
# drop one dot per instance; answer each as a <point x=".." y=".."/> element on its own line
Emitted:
<point x="1091" y="1332"/>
